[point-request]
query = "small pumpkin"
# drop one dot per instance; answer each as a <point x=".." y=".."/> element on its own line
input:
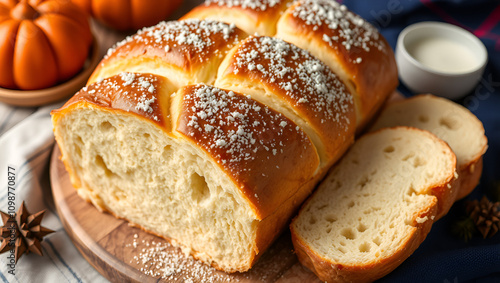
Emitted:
<point x="42" y="42"/>
<point x="129" y="14"/>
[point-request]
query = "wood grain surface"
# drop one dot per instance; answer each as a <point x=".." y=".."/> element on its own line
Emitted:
<point x="108" y="245"/>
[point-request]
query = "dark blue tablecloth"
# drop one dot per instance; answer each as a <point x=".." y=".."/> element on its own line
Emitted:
<point x="443" y="257"/>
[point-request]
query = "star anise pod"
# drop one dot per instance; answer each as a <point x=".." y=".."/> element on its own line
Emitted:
<point x="24" y="232"/>
<point x="486" y="216"/>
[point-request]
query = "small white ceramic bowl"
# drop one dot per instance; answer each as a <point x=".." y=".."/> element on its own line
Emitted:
<point x="440" y="58"/>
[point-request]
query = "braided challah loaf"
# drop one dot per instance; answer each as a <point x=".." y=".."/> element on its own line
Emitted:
<point x="211" y="138"/>
<point x="345" y="42"/>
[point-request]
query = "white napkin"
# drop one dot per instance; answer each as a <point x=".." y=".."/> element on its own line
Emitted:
<point x="26" y="142"/>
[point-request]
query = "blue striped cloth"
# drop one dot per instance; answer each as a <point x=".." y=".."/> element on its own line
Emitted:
<point x="26" y="142"/>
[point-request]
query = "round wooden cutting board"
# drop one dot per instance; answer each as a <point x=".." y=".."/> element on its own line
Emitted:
<point x="123" y="253"/>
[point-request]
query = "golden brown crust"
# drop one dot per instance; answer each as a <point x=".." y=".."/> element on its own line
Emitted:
<point x="470" y="174"/>
<point x="303" y="84"/>
<point x="252" y="16"/>
<point x="256" y="146"/>
<point x="446" y="195"/>
<point x="190" y="48"/>
<point x="145" y="95"/>
<point x="468" y="177"/>
<point x="362" y="53"/>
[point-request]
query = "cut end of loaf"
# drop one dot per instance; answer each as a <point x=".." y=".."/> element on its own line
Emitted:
<point x="376" y="206"/>
<point x="164" y="187"/>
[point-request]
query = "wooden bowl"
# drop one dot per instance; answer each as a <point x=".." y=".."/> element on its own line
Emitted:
<point x="29" y="98"/>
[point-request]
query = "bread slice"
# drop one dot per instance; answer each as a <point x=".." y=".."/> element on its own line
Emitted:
<point x="452" y="123"/>
<point x="376" y="205"/>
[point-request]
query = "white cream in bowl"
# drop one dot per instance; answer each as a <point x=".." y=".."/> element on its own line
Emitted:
<point x="440" y="58"/>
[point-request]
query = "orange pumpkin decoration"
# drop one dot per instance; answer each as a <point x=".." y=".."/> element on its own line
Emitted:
<point x="42" y="42"/>
<point x="129" y="14"/>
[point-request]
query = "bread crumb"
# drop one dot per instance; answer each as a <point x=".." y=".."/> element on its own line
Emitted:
<point x="421" y="220"/>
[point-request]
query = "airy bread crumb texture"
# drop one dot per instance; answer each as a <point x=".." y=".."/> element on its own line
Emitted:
<point x="373" y="202"/>
<point x="170" y="189"/>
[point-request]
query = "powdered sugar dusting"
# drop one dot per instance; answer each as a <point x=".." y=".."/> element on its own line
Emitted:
<point x="144" y="104"/>
<point x="235" y="128"/>
<point x="127" y="91"/>
<point x="258" y="5"/>
<point x="198" y="38"/>
<point x="158" y="258"/>
<point x="344" y="27"/>
<point x="305" y="81"/>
